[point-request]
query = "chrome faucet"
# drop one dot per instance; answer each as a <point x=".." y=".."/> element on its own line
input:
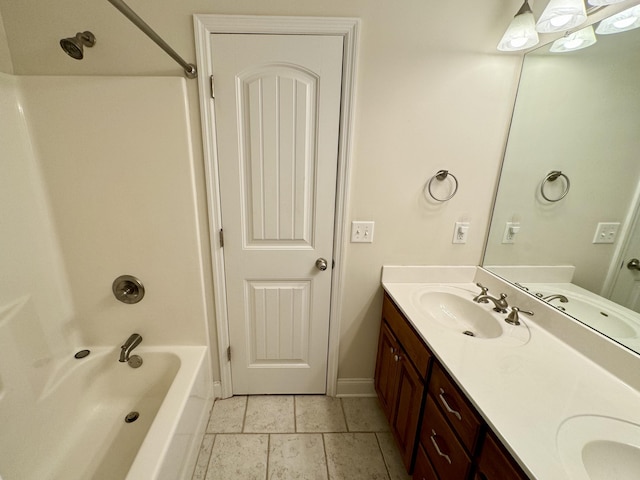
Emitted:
<point x="514" y="318"/>
<point x="562" y="298"/>
<point x="132" y="342"/>
<point x="500" y="304"/>
<point x="483" y="291"/>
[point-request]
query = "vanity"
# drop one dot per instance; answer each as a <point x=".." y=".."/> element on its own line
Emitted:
<point x="470" y="396"/>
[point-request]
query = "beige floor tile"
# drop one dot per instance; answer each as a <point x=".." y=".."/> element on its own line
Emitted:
<point x="227" y="415"/>
<point x="364" y="414"/>
<point x="354" y="456"/>
<point x="319" y="413"/>
<point x="269" y="414"/>
<point x="297" y="457"/>
<point x="203" y="457"/>
<point x="392" y="457"/>
<point x="238" y="457"/>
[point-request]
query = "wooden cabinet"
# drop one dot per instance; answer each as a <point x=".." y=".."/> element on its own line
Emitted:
<point x="495" y="463"/>
<point x="401" y="369"/>
<point x="439" y="432"/>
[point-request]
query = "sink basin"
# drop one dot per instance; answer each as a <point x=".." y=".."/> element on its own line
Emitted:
<point x="461" y="314"/>
<point x="598" y="448"/>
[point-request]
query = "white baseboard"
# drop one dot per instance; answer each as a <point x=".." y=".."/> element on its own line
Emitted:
<point x="217" y="390"/>
<point x="355" y="387"/>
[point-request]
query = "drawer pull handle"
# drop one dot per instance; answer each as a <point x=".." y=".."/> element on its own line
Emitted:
<point x="435" y="444"/>
<point x="396" y="358"/>
<point x="446" y="405"/>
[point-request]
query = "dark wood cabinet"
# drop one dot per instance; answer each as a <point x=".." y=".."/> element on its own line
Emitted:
<point x="401" y="369"/>
<point x="495" y="463"/>
<point x="439" y="432"/>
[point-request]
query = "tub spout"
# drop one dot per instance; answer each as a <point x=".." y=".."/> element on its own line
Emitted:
<point x="132" y="342"/>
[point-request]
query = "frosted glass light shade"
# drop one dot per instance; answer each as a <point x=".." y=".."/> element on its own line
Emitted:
<point x="562" y="15"/>
<point x="521" y="33"/>
<point x="577" y="40"/>
<point x="620" y="22"/>
<point x="597" y="3"/>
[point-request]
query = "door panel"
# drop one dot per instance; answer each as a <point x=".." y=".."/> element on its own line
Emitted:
<point x="277" y="108"/>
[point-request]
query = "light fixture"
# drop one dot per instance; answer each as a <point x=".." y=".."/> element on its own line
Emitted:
<point x="575" y="41"/>
<point x="521" y="33"/>
<point x="597" y="3"/>
<point x="562" y="15"/>
<point x="620" y="22"/>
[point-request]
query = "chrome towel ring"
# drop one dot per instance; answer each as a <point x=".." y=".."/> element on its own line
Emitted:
<point x="552" y="177"/>
<point x="441" y="176"/>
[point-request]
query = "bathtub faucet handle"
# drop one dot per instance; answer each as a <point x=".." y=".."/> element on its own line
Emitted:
<point x="132" y="342"/>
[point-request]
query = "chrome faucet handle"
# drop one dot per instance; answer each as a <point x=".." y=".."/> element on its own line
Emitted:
<point x="484" y="290"/>
<point x="514" y="318"/>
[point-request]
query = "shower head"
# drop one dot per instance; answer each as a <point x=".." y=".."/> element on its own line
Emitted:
<point x="73" y="46"/>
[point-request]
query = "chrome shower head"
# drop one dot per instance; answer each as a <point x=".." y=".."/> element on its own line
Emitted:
<point x="74" y="46"/>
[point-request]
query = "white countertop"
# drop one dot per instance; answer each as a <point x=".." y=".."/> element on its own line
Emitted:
<point x="524" y="391"/>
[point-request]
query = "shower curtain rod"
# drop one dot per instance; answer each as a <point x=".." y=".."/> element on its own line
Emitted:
<point x="189" y="68"/>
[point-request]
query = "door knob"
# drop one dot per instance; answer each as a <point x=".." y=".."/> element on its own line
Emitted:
<point x="321" y="264"/>
<point x="634" y="264"/>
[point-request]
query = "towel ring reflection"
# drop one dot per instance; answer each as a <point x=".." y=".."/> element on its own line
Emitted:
<point x="440" y="176"/>
<point x="552" y="177"/>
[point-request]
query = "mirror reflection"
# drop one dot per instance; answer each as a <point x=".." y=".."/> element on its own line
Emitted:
<point x="566" y="222"/>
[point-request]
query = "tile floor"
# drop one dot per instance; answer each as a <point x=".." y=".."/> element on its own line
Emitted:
<point x="287" y="437"/>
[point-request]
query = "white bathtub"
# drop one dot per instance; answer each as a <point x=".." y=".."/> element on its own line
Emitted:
<point x="75" y="429"/>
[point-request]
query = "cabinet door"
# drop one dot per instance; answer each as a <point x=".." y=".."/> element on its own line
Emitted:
<point x="407" y="408"/>
<point x="386" y="368"/>
<point x="497" y="464"/>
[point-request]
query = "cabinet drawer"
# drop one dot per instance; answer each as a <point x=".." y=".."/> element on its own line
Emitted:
<point x="448" y="457"/>
<point x="423" y="469"/>
<point x="407" y="337"/>
<point x="496" y="464"/>
<point x="454" y="406"/>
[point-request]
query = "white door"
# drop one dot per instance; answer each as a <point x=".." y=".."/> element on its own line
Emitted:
<point x="277" y="107"/>
<point x="626" y="289"/>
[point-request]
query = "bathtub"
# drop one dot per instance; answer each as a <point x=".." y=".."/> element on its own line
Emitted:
<point x="75" y="427"/>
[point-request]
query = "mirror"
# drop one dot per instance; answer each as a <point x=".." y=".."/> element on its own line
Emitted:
<point x="571" y="177"/>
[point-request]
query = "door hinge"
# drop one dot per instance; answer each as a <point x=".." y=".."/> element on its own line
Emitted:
<point x="221" y="238"/>
<point x="213" y="95"/>
<point x="229" y="353"/>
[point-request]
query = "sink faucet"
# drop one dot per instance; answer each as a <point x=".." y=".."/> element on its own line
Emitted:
<point x="483" y="291"/>
<point x="132" y="342"/>
<point x="562" y="298"/>
<point x="500" y="304"/>
<point x="514" y="318"/>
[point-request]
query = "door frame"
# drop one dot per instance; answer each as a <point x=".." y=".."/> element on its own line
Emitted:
<point x="348" y="28"/>
<point x="629" y="224"/>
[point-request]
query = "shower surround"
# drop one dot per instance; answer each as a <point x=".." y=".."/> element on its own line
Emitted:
<point x="96" y="180"/>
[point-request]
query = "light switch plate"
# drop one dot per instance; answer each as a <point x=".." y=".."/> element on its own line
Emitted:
<point x="511" y="229"/>
<point x="362" y="232"/>
<point x="461" y="232"/>
<point x="606" y="232"/>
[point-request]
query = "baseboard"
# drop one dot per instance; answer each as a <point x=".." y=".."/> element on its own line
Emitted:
<point x="217" y="390"/>
<point x="355" y="387"/>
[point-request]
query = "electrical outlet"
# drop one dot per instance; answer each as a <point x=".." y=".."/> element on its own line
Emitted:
<point x="511" y="229"/>
<point x="362" y="232"/>
<point x="461" y="232"/>
<point x="606" y="232"/>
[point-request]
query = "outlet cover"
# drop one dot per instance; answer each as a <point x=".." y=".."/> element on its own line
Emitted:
<point x="461" y="232"/>
<point x="606" y="232"/>
<point x="362" y="232"/>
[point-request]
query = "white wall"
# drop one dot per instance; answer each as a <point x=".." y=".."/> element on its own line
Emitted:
<point x="5" y="55"/>
<point x="432" y="93"/>
<point x="116" y="158"/>
<point x="35" y="310"/>
<point x="577" y="113"/>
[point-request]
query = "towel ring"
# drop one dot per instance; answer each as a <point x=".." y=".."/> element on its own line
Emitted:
<point x="440" y="176"/>
<point x="552" y="177"/>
